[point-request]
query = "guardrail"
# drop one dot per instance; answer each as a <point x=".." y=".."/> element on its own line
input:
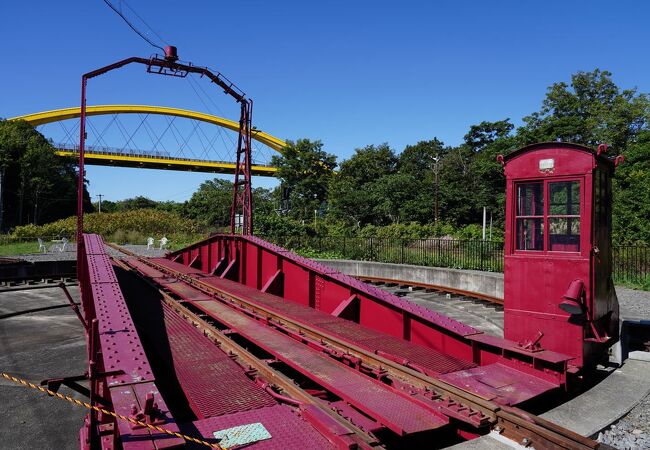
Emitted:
<point x="114" y="151"/>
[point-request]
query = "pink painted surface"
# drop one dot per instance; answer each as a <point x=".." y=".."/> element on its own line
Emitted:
<point x="213" y="383"/>
<point x="386" y="405"/>
<point x="535" y="281"/>
<point x="430" y="360"/>
<point x="121" y="349"/>
<point x="499" y="383"/>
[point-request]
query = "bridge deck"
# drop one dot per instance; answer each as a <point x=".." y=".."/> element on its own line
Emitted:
<point x="494" y="381"/>
<point x="429" y="360"/>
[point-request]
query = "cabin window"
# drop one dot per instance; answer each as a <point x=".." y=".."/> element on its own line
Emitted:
<point x="564" y="216"/>
<point x="548" y="206"/>
<point x="530" y="216"/>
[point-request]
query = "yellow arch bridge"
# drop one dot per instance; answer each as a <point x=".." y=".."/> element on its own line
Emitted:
<point x="106" y="157"/>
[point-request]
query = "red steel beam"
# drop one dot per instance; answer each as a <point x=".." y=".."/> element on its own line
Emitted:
<point x="118" y="368"/>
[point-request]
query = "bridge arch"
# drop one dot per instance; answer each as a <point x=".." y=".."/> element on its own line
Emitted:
<point x="42" y="118"/>
<point x="97" y="158"/>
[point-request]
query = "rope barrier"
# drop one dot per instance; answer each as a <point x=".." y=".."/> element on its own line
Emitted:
<point x="87" y="405"/>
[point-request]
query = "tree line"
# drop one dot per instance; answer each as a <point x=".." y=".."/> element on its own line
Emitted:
<point x="430" y="182"/>
<point x="36" y="185"/>
<point x="428" y="188"/>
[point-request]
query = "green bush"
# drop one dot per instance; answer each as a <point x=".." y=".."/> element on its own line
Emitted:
<point x="143" y="221"/>
<point x="274" y="225"/>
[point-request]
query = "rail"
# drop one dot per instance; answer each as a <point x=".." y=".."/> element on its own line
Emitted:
<point x="433" y="287"/>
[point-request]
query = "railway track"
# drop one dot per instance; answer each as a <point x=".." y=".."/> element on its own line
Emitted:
<point x="480" y="311"/>
<point x="470" y="413"/>
<point x="488" y="300"/>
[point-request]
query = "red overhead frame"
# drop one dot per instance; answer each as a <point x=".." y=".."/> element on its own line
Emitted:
<point x="169" y="65"/>
<point x="242" y="200"/>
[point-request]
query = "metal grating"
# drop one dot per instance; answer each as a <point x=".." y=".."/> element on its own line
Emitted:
<point x="143" y="268"/>
<point x="187" y="270"/>
<point x="213" y="383"/>
<point x="187" y="293"/>
<point x="431" y="360"/>
<point x="381" y="402"/>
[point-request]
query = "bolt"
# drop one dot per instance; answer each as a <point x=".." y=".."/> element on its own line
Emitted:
<point x="525" y="442"/>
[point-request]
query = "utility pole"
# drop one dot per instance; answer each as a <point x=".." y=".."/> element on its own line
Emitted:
<point x="100" y="201"/>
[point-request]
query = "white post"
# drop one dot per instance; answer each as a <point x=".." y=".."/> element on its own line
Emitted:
<point x="484" y="220"/>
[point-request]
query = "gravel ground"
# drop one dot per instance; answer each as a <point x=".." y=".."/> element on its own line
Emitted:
<point x="634" y="304"/>
<point x="632" y="431"/>
<point x="71" y="253"/>
<point x="142" y="250"/>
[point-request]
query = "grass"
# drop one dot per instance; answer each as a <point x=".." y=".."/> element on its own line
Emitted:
<point x="640" y="282"/>
<point x="18" y="248"/>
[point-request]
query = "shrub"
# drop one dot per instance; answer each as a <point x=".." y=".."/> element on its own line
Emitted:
<point x="143" y="221"/>
<point x="274" y="225"/>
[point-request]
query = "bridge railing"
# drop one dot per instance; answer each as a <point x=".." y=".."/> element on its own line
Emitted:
<point x="631" y="264"/>
<point x="114" y="151"/>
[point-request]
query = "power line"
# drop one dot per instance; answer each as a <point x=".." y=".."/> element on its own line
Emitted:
<point x="138" y="32"/>
<point x="144" y="21"/>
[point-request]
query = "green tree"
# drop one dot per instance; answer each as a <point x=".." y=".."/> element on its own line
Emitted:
<point x="139" y="202"/>
<point x="210" y="204"/>
<point x="305" y="170"/>
<point x="393" y="197"/>
<point x="423" y="161"/>
<point x="36" y="185"/>
<point x="631" y="215"/>
<point x="486" y="133"/>
<point x="369" y="163"/>
<point x="590" y="111"/>
<point x="351" y="196"/>
<point x="487" y="181"/>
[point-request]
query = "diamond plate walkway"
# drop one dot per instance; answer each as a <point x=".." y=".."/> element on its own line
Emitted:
<point x="392" y="409"/>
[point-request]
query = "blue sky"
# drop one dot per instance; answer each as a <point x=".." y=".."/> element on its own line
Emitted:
<point x="347" y="73"/>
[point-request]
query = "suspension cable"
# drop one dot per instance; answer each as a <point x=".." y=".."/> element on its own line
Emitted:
<point x="138" y="32"/>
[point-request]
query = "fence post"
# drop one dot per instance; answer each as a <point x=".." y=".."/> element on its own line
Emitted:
<point x="401" y="258"/>
<point x="371" y="251"/>
<point x="344" y="253"/>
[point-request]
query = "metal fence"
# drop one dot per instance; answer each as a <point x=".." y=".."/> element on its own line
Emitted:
<point x="631" y="264"/>
<point x="460" y="254"/>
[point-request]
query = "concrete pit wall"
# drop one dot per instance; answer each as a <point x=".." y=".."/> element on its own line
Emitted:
<point x="486" y="283"/>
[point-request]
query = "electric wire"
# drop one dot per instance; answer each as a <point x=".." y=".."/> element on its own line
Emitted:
<point x="138" y="32"/>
